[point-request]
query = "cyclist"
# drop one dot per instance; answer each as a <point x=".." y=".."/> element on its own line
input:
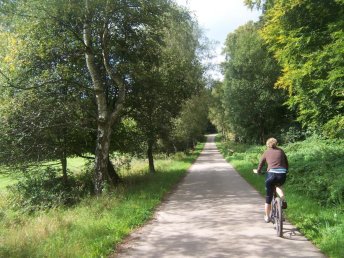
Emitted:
<point x="277" y="170"/>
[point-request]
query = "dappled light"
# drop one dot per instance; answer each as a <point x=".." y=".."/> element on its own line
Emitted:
<point x="214" y="212"/>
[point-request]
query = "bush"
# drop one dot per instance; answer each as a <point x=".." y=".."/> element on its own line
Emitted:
<point x="41" y="189"/>
<point x="316" y="167"/>
<point x="293" y="134"/>
<point x="316" y="170"/>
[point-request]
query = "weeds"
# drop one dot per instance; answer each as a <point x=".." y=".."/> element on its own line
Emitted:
<point x="314" y="188"/>
<point x="93" y="227"/>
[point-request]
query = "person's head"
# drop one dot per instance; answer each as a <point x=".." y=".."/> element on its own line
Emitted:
<point x="271" y="143"/>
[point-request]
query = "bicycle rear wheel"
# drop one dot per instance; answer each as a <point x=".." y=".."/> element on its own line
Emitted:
<point x="278" y="217"/>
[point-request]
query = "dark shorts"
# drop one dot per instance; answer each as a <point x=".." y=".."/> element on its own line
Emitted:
<point x="272" y="180"/>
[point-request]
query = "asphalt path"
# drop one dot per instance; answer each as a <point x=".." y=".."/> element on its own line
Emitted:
<point x="214" y="212"/>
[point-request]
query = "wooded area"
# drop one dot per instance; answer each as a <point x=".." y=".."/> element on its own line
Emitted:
<point x="292" y="57"/>
<point x="88" y="78"/>
<point x="110" y="82"/>
<point x="94" y="78"/>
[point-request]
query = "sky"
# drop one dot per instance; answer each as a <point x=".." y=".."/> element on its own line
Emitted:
<point x="218" y="18"/>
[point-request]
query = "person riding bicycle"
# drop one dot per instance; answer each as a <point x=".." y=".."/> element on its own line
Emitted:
<point x="277" y="170"/>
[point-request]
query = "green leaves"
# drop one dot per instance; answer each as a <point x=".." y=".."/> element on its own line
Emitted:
<point x="306" y="37"/>
<point x="253" y="108"/>
<point x="67" y="68"/>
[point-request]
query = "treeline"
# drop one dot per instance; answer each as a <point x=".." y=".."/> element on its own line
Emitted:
<point x="87" y="78"/>
<point x="284" y="75"/>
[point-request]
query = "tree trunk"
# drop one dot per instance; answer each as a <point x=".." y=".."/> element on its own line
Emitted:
<point x="101" y="157"/>
<point x="175" y="148"/>
<point x="108" y="110"/>
<point x="150" y="157"/>
<point x="112" y="174"/>
<point x="64" y="168"/>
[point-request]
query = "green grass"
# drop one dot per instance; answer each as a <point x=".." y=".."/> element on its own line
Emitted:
<point x="95" y="226"/>
<point x="8" y="177"/>
<point x="313" y="189"/>
<point x="5" y="180"/>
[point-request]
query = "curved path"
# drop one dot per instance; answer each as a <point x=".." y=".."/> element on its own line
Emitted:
<point x="214" y="213"/>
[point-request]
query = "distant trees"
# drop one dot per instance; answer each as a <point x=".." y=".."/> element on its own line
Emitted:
<point x="189" y="127"/>
<point x="250" y="106"/>
<point x="68" y="68"/>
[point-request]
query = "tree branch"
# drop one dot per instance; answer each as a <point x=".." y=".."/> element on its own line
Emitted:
<point x="94" y="71"/>
<point x="113" y="76"/>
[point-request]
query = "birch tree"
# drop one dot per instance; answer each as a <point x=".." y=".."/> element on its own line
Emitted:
<point x="100" y="39"/>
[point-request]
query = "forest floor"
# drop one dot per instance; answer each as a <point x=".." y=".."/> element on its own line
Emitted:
<point x="214" y="212"/>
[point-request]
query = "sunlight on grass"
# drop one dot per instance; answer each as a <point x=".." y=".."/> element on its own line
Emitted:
<point x="322" y="222"/>
<point x="96" y="225"/>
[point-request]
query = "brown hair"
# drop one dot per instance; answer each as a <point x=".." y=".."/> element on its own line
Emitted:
<point x="271" y="143"/>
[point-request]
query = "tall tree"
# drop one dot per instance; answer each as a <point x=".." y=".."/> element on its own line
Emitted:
<point x="100" y="39"/>
<point x="254" y="109"/>
<point x="46" y="105"/>
<point x="306" y="38"/>
<point x="162" y="87"/>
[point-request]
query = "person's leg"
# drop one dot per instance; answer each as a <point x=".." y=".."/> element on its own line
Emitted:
<point x="269" y="193"/>
<point x="281" y="178"/>
<point x="267" y="210"/>
<point x="279" y="191"/>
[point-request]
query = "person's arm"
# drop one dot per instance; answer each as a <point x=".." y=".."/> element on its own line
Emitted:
<point x="261" y="163"/>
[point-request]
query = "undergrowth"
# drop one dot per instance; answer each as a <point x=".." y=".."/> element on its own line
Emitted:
<point x="93" y="227"/>
<point x="314" y="188"/>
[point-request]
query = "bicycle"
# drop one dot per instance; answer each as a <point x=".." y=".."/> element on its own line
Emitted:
<point x="276" y="214"/>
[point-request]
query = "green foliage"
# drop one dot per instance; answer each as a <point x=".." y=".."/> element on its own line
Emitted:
<point x="45" y="124"/>
<point x="42" y="189"/>
<point x="67" y="68"/>
<point x="217" y="108"/>
<point x="334" y="128"/>
<point x="306" y="39"/>
<point x="95" y="226"/>
<point x="314" y="187"/>
<point x="190" y="125"/>
<point x="163" y="87"/>
<point x="293" y="134"/>
<point x="253" y="109"/>
<point x="317" y="167"/>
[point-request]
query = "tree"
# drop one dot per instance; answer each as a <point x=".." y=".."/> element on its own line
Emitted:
<point x="254" y="109"/>
<point x="217" y="108"/>
<point x="306" y="39"/>
<point x="100" y="39"/>
<point x="162" y="87"/>
<point x="192" y="122"/>
<point x="45" y="125"/>
<point x="46" y="106"/>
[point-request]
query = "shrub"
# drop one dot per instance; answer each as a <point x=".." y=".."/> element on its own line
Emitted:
<point x="44" y="188"/>
<point x="316" y="170"/>
<point x="293" y="134"/>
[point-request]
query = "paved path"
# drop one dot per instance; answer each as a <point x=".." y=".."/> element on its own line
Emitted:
<point x="214" y="213"/>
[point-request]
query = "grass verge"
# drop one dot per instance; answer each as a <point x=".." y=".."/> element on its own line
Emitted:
<point x="312" y="164"/>
<point x="95" y="226"/>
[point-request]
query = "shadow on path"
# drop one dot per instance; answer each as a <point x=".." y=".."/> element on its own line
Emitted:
<point x="214" y="213"/>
